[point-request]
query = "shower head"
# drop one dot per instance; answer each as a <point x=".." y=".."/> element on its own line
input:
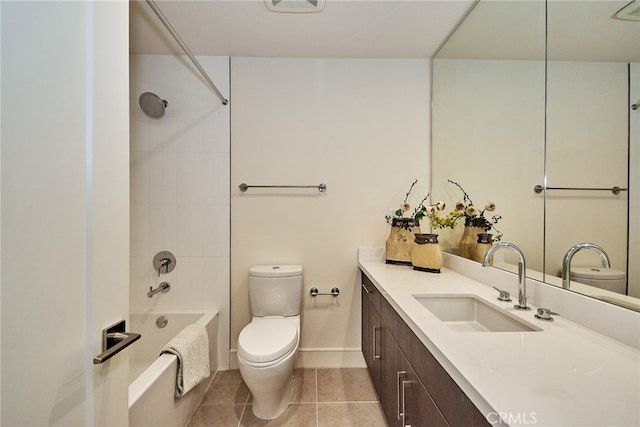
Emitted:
<point x="152" y="105"/>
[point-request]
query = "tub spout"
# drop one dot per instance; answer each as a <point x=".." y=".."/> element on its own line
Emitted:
<point x="164" y="288"/>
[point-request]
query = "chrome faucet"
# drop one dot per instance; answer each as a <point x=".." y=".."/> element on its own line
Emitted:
<point x="522" y="270"/>
<point x="164" y="288"/>
<point x="566" y="262"/>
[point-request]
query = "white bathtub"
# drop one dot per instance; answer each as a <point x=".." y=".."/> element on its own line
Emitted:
<point x="153" y="378"/>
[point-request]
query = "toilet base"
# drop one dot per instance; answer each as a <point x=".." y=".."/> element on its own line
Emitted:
<point x="272" y="406"/>
<point x="270" y="387"/>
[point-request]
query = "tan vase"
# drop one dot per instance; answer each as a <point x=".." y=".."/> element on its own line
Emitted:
<point x="426" y="254"/>
<point x="484" y="242"/>
<point x="469" y="240"/>
<point x="398" y="244"/>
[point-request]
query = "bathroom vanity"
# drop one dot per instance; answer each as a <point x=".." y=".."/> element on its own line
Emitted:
<point x="503" y="368"/>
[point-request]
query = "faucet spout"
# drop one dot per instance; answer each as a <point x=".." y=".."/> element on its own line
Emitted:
<point x="566" y="262"/>
<point x="164" y="288"/>
<point x="522" y="270"/>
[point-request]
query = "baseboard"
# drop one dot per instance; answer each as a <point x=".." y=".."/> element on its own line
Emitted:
<point x="320" y="358"/>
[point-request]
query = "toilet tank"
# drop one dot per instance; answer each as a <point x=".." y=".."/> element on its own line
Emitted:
<point x="275" y="290"/>
<point x="603" y="278"/>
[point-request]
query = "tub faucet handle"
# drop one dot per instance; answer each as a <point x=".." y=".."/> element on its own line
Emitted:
<point x="504" y="295"/>
<point x="164" y="262"/>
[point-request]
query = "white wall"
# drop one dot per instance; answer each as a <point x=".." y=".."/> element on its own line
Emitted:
<point x="180" y="188"/>
<point x="587" y="146"/>
<point x="361" y="127"/>
<point x="64" y="211"/>
<point x="496" y="150"/>
<point x="489" y="130"/>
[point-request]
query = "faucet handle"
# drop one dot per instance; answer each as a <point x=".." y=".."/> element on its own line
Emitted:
<point x="504" y="295"/>
<point x="545" y="314"/>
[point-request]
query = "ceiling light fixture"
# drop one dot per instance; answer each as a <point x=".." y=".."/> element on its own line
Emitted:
<point x="295" y="6"/>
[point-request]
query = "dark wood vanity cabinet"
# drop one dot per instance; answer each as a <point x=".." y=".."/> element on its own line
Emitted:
<point x="414" y="389"/>
<point x="371" y="330"/>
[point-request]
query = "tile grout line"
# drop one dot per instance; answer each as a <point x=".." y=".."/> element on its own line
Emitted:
<point x="244" y="408"/>
<point x="317" y="415"/>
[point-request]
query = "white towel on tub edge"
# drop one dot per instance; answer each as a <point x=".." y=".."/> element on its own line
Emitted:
<point x="191" y="346"/>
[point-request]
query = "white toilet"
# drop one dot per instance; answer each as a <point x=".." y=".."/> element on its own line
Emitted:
<point x="603" y="278"/>
<point x="267" y="346"/>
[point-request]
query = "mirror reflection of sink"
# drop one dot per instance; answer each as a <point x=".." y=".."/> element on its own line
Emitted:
<point x="468" y="313"/>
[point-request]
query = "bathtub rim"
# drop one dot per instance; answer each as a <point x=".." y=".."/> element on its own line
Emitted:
<point x="139" y="385"/>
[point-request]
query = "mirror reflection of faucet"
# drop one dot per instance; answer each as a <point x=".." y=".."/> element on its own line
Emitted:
<point x="566" y="262"/>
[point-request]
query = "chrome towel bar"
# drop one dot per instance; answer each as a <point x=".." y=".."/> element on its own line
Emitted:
<point x="315" y="292"/>
<point x="321" y="187"/>
<point x="615" y="189"/>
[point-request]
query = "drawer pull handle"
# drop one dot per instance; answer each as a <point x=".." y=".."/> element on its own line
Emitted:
<point x="400" y="410"/>
<point x="375" y="344"/>
<point x="405" y="384"/>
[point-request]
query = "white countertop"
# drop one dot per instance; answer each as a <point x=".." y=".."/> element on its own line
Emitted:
<point x="563" y="375"/>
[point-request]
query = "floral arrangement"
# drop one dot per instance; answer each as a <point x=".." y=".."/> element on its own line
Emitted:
<point x="474" y="217"/>
<point x="422" y="211"/>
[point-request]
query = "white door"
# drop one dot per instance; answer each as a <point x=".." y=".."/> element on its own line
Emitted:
<point x="64" y="211"/>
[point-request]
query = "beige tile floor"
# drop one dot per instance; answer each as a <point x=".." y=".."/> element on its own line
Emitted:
<point x="320" y="398"/>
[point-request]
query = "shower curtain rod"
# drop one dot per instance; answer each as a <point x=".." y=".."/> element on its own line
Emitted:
<point x="186" y="50"/>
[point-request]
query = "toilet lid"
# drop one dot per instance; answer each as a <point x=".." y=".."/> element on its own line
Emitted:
<point x="267" y="340"/>
<point x="596" y="273"/>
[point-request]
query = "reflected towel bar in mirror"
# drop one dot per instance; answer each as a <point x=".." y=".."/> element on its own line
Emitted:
<point x="615" y="189"/>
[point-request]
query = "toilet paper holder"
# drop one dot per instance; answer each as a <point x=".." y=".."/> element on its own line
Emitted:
<point x="315" y="292"/>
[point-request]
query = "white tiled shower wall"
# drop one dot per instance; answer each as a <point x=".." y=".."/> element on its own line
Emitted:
<point x="180" y="167"/>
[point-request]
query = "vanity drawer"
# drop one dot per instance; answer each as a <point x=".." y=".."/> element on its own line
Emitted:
<point x="373" y="294"/>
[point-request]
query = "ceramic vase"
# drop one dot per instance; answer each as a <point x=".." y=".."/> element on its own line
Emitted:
<point x="398" y="244"/>
<point x="426" y="254"/>
<point x="469" y="240"/>
<point x="484" y="242"/>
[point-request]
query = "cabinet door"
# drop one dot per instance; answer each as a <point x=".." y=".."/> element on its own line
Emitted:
<point x="393" y="365"/>
<point x="371" y="339"/>
<point x="404" y="399"/>
<point x="416" y="406"/>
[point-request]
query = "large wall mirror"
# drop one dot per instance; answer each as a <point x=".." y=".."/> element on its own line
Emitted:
<point x="542" y="93"/>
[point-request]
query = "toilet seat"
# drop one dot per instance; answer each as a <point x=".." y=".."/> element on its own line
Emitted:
<point x="267" y="340"/>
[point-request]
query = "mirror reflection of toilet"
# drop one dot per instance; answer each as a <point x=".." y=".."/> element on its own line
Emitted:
<point x="267" y="347"/>
<point x="603" y="278"/>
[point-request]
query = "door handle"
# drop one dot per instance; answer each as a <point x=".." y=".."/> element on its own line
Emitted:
<point x="114" y="340"/>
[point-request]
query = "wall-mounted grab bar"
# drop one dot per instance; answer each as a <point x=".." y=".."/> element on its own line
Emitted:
<point x="315" y="292"/>
<point x="321" y="187"/>
<point x="114" y="340"/>
<point x="615" y="189"/>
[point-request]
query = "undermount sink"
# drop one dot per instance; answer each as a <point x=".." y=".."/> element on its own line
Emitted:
<point x="468" y="313"/>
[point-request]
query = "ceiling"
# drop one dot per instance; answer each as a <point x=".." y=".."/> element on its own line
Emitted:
<point x="345" y="29"/>
<point x="575" y="30"/>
